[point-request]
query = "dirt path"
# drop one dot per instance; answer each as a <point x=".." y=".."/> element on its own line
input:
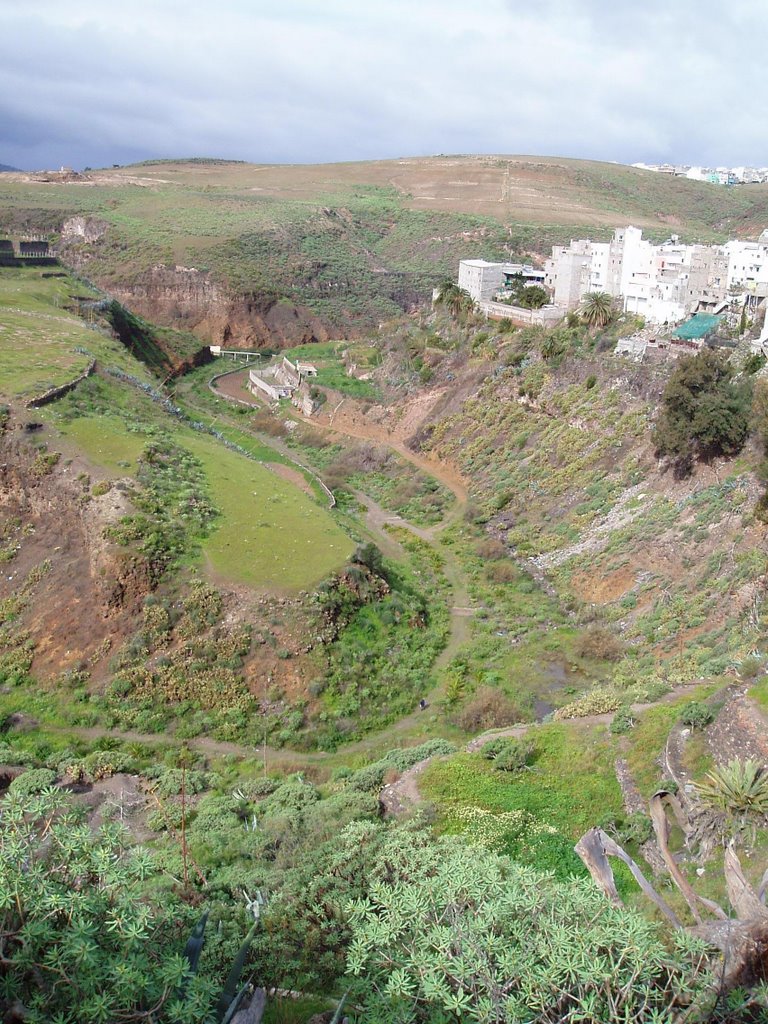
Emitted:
<point x="403" y="795"/>
<point x="292" y="475"/>
<point x="346" y="419"/>
<point x="376" y="519"/>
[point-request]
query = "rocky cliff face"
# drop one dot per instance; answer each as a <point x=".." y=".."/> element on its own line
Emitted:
<point x="83" y="229"/>
<point x="185" y="297"/>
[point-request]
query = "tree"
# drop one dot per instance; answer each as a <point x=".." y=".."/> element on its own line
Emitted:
<point x="597" y="309"/>
<point x="80" y="942"/>
<point x="532" y="296"/>
<point x="455" y="299"/>
<point x="448" y="932"/>
<point x="704" y="411"/>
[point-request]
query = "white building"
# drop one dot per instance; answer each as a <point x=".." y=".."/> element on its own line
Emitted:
<point x="480" y="278"/>
<point x="748" y="265"/>
<point x="484" y="280"/>
<point x="663" y="283"/>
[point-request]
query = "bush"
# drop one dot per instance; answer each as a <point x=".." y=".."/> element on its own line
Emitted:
<point x="509" y="754"/>
<point x="446" y="927"/>
<point x="751" y="667"/>
<point x="623" y="721"/>
<point x="487" y="709"/>
<point x="503" y="572"/>
<point x="599" y="643"/>
<point x="491" y="549"/>
<point x="371" y="777"/>
<point x="599" y="702"/>
<point x="696" y="715"/>
<point x="33" y="781"/>
<point x="81" y="939"/>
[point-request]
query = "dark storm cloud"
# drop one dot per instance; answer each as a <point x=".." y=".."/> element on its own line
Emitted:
<point x="99" y="82"/>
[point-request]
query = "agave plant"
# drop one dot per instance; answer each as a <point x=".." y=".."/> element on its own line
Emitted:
<point x="739" y="789"/>
<point x="232" y="994"/>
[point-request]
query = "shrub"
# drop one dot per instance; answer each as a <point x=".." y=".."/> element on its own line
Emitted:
<point x="371" y="777"/>
<point x="751" y="667"/>
<point x="599" y="643"/>
<point x="81" y="939"/>
<point x="33" y="781"/>
<point x="740" y="789"/>
<point x="503" y="572"/>
<point x="509" y="754"/>
<point x="487" y="709"/>
<point x="598" y="702"/>
<point x="623" y="721"/>
<point x="458" y="933"/>
<point x="491" y="549"/>
<point x="696" y="714"/>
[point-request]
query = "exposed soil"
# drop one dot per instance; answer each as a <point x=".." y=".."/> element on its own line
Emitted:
<point x="86" y="602"/>
<point x="292" y="475"/>
<point x="738" y="732"/>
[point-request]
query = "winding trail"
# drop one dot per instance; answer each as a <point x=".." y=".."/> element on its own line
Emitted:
<point x="344" y="423"/>
<point x="350" y="423"/>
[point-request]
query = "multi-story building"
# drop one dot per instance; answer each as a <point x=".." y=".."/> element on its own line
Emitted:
<point x="664" y="283"/>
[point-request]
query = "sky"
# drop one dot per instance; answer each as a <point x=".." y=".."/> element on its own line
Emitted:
<point x="98" y="82"/>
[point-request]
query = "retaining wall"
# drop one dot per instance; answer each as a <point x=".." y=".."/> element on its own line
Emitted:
<point x="53" y="393"/>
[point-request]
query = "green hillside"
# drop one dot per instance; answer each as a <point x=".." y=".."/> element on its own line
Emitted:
<point x="358" y="243"/>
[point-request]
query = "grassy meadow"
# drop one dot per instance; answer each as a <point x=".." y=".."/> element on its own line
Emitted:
<point x="271" y="535"/>
<point x="43" y="342"/>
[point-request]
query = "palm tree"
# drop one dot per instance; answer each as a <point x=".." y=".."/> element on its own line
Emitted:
<point x="597" y="309"/>
<point x="455" y="299"/>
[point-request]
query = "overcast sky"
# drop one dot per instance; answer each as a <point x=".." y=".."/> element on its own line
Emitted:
<point x="97" y="82"/>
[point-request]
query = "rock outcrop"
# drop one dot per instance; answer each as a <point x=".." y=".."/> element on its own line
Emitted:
<point x="184" y="297"/>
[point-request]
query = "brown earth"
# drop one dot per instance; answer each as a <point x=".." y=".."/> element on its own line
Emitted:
<point x="183" y="297"/>
<point x="292" y="475"/>
<point x="506" y="187"/>
<point x="85" y="604"/>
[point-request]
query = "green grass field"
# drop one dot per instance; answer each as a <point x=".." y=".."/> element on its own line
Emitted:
<point x="107" y="443"/>
<point x="571" y="783"/>
<point x="40" y="335"/>
<point x="271" y="535"/>
<point x="37" y="353"/>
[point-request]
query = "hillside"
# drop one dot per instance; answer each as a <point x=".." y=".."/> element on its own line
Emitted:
<point x="511" y="618"/>
<point x="258" y="255"/>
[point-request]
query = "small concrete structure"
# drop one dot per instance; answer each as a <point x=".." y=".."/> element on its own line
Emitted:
<point x="483" y="280"/>
<point x="285" y="380"/>
<point x="267" y="383"/>
<point x="545" y="316"/>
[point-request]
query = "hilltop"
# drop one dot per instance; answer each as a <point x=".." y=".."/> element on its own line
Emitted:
<point x="259" y="255"/>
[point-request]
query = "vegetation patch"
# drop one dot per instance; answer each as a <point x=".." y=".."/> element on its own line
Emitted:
<point x="271" y="535"/>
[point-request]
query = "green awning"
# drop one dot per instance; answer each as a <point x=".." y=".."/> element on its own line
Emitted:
<point x="700" y="325"/>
